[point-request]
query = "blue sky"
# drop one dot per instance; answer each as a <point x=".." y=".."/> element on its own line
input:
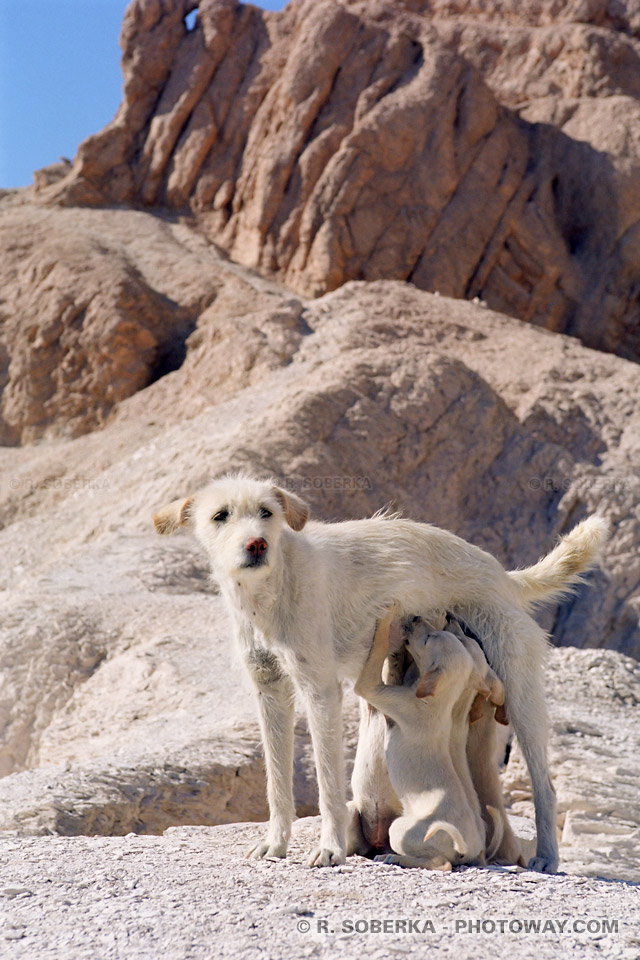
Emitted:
<point x="60" y="78"/>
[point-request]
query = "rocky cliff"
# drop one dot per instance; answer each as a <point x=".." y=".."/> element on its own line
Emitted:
<point x="478" y="149"/>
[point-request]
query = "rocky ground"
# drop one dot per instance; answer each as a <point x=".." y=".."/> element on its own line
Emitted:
<point x="190" y="894"/>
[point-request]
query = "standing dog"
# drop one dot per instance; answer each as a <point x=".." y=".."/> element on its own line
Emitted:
<point x="304" y="600"/>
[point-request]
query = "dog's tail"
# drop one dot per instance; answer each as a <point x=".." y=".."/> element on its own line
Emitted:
<point x="497" y="835"/>
<point x="559" y="572"/>
<point x="458" y="843"/>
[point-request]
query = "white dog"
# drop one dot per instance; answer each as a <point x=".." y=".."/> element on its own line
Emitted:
<point x="304" y="605"/>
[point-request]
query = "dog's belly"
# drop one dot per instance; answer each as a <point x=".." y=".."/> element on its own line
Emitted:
<point x="351" y="656"/>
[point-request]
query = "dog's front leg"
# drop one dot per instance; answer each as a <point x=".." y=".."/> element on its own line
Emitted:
<point x="324" y="712"/>
<point x="275" y="708"/>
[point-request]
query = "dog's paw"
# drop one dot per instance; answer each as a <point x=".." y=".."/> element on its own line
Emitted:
<point x="543" y="864"/>
<point x="326" y="857"/>
<point x="266" y="849"/>
<point x="387" y="858"/>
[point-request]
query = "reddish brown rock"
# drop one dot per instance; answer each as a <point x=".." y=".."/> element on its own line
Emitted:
<point x="350" y="140"/>
<point x="98" y="304"/>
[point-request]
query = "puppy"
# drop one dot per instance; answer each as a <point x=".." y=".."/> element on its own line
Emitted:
<point x="438" y="827"/>
<point x="375" y="804"/>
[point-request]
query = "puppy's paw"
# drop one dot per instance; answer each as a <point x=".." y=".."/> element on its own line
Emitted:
<point x="390" y="615"/>
<point x="387" y="858"/>
<point x="543" y="864"/>
<point x="327" y="857"/>
<point x="267" y="849"/>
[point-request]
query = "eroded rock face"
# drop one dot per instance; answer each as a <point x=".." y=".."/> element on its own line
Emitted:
<point x="96" y="305"/>
<point x="336" y="141"/>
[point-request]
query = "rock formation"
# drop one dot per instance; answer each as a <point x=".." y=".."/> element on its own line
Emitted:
<point x="468" y="148"/>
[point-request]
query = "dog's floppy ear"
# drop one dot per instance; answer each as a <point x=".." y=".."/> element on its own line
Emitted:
<point x="428" y="683"/>
<point x="496" y="688"/>
<point x="477" y="708"/>
<point x="175" y="515"/>
<point x="501" y="715"/>
<point x="296" y="511"/>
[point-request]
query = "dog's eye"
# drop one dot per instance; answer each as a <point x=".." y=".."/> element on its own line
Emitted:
<point x="264" y="513"/>
<point x="220" y="516"/>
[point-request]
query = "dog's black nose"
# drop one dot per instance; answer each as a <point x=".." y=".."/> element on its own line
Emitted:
<point x="256" y="547"/>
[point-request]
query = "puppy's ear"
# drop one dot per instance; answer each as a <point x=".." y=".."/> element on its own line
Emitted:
<point x="496" y="689"/>
<point x="429" y="683"/>
<point x="438" y="619"/>
<point x="501" y="715"/>
<point x="296" y="511"/>
<point x="175" y="515"/>
<point x="479" y="683"/>
<point x="477" y="708"/>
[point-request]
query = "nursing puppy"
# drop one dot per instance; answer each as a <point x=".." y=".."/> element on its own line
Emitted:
<point x="304" y="601"/>
<point x="477" y="738"/>
<point x="440" y="823"/>
<point x="375" y="804"/>
<point x="473" y="749"/>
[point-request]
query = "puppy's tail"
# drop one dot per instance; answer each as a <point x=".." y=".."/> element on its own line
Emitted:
<point x="458" y="843"/>
<point x="497" y="835"/>
<point x="558" y="572"/>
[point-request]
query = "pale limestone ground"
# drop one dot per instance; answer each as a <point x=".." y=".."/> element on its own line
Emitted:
<point x="190" y="894"/>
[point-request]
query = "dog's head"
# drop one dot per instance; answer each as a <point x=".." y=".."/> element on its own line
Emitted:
<point x="442" y="661"/>
<point x="238" y="520"/>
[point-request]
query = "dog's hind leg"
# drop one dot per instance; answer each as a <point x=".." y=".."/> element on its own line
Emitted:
<point x="532" y="737"/>
<point x="275" y="708"/>
<point x="514" y="645"/>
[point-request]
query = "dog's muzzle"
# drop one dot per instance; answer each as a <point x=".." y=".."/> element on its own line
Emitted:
<point x="255" y="552"/>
